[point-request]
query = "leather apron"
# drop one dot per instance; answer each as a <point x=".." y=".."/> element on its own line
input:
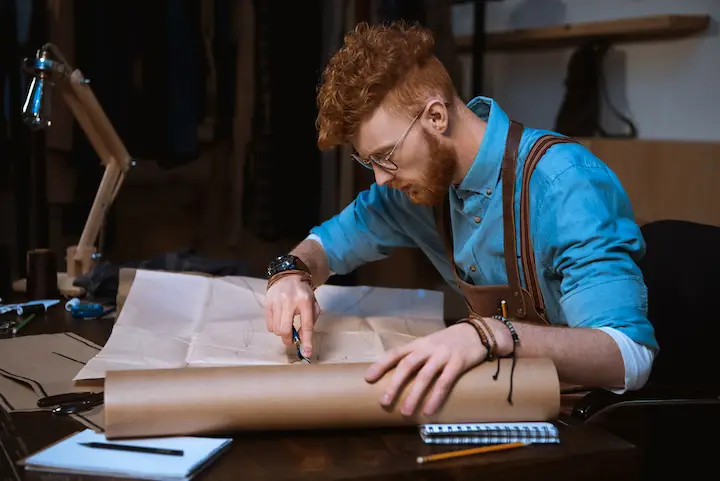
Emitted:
<point x="523" y="303"/>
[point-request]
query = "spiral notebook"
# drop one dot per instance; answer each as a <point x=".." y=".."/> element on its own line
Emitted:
<point x="490" y="433"/>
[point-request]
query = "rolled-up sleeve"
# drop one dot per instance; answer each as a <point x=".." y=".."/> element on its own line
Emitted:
<point x="365" y="231"/>
<point x="590" y="239"/>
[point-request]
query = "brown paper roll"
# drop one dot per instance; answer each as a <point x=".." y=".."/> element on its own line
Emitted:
<point x="215" y="400"/>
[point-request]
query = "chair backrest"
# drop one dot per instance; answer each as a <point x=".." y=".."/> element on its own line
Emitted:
<point x="682" y="272"/>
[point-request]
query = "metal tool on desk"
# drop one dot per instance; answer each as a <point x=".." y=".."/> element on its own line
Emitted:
<point x="298" y="345"/>
<point x="72" y="402"/>
<point x="8" y="308"/>
<point x="14" y="326"/>
<point x="6" y="327"/>
<point x="22" y="324"/>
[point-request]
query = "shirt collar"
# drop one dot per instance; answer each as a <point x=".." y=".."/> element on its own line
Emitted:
<point x="485" y="169"/>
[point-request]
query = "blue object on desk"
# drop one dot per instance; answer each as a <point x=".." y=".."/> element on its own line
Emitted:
<point x="86" y="311"/>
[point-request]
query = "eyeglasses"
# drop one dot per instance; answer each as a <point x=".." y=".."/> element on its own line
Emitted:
<point x="384" y="161"/>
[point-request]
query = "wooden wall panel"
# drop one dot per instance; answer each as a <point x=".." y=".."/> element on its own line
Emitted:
<point x="666" y="179"/>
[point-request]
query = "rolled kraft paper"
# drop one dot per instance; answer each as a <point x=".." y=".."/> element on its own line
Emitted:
<point x="215" y="400"/>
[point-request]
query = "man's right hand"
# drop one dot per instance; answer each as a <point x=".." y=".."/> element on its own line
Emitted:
<point x="286" y="298"/>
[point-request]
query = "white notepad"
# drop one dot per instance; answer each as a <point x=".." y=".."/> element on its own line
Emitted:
<point x="68" y="456"/>
<point x="490" y="433"/>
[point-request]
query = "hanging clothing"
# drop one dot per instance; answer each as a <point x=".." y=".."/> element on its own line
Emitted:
<point x="22" y="26"/>
<point x="146" y="64"/>
<point x="283" y="169"/>
<point x="224" y="51"/>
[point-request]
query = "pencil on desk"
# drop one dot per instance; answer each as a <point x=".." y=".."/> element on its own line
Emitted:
<point x="468" y="452"/>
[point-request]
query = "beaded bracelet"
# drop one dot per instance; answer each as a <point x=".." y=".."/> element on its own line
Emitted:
<point x="516" y="341"/>
<point x="511" y="328"/>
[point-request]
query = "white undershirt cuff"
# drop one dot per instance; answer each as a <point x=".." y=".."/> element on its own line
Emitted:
<point x="638" y="360"/>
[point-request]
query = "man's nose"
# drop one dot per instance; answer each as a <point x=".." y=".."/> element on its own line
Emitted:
<point x="382" y="176"/>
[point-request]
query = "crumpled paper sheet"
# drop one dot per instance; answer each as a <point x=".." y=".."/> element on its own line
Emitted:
<point x="177" y="320"/>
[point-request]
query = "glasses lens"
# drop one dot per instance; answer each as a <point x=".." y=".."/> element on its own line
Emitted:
<point x="385" y="163"/>
<point x="361" y="161"/>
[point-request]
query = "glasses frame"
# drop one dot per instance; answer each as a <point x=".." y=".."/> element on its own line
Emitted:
<point x="384" y="162"/>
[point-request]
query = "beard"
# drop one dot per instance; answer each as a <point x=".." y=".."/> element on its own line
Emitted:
<point x="437" y="177"/>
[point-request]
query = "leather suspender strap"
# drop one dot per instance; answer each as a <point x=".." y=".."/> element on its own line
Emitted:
<point x="520" y="296"/>
<point x="528" y="254"/>
<point x="444" y="226"/>
<point x="509" y="164"/>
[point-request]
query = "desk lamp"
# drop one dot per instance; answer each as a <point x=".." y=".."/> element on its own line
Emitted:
<point x="48" y="69"/>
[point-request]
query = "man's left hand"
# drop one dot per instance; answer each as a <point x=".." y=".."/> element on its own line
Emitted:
<point x="445" y="354"/>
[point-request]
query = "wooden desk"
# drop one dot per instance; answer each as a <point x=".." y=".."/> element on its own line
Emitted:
<point x="586" y="452"/>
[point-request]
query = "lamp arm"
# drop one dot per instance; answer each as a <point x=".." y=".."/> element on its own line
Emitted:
<point x="77" y="93"/>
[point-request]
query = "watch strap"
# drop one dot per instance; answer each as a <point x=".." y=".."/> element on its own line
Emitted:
<point x="306" y="277"/>
<point x="285" y="263"/>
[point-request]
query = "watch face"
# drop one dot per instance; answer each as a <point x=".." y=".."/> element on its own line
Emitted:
<point x="280" y="264"/>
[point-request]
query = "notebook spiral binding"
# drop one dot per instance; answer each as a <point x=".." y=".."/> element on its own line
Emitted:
<point x="490" y="433"/>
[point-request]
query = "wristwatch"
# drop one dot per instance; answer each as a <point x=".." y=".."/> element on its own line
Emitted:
<point x="287" y="262"/>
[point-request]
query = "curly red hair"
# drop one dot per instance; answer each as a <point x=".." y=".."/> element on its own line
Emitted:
<point x="387" y="61"/>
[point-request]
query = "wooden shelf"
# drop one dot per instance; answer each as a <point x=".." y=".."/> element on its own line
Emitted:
<point x="658" y="27"/>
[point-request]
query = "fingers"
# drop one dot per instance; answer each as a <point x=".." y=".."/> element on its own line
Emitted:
<point x="269" y="320"/>
<point x="284" y="325"/>
<point x="453" y="370"/>
<point x="316" y="308"/>
<point x="294" y="297"/>
<point x="277" y="316"/>
<point x="424" y="377"/>
<point x="436" y="368"/>
<point x="405" y="368"/>
<point x="387" y="361"/>
<point x="307" y="321"/>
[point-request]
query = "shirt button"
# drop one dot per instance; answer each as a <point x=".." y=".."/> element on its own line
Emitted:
<point x="473" y="268"/>
<point x="488" y="191"/>
<point x="477" y="219"/>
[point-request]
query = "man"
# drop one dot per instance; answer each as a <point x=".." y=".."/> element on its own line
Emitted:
<point x="387" y="95"/>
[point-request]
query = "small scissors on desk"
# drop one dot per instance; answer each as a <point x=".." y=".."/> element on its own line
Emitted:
<point x="72" y="402"/>
<point x="298" y="345"/>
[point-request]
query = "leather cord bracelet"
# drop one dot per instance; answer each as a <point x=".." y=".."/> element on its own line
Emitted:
<point x="493" y="341"/>
<point x="490" y="348"/>
<point x="280" y="275"/>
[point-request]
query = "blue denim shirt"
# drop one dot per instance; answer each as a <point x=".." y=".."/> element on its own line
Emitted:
<point x="584" y="234"/>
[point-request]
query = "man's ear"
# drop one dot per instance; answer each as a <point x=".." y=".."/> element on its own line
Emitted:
<point x="436" y="116"/>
